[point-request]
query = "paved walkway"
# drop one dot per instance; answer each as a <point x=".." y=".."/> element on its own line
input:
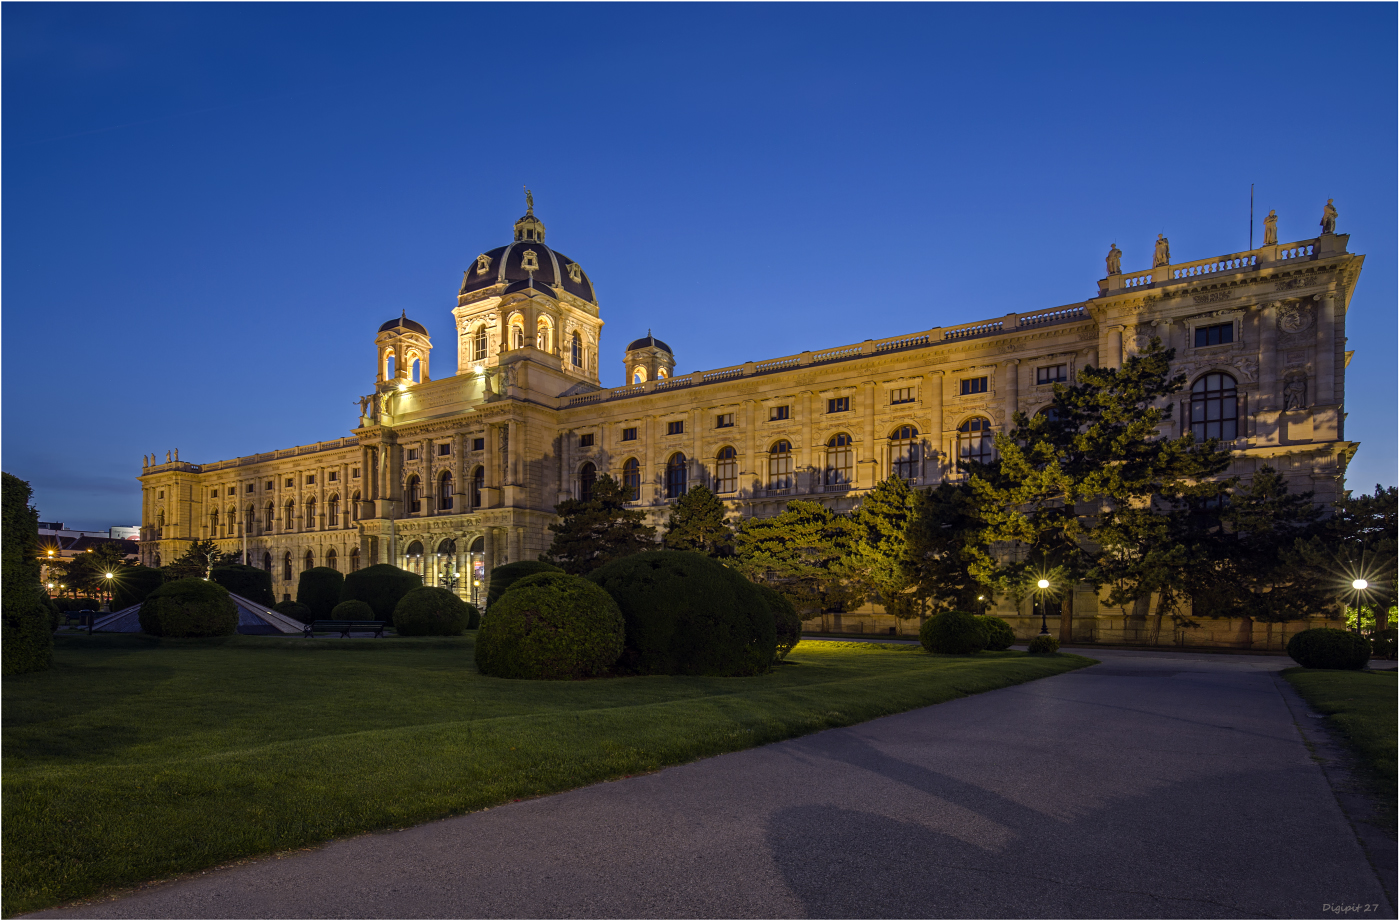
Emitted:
<point x="1153" y="785"/>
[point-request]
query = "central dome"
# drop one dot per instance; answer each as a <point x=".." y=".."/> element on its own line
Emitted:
<point x="528" y="259"/>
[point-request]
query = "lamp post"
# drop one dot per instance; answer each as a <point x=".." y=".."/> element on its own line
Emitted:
<point x="1359" y="586"/>
<point x="1041" y="586"/>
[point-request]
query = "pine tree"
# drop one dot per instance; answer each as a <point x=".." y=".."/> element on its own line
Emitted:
<point x="598" y="530"/>
<point x="697" y="523"/>
<point x="943" y="531"/>
<point x="880" y="559"/>
<point x="800" y="552"/>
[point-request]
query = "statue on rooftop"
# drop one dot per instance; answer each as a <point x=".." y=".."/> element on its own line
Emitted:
<point x="1162" y="254"/>
<point x="167" y="457"/>
<point x="1115" y="260"/>
<point x="1329" y="218"/>
<point x="1271" y="228"/>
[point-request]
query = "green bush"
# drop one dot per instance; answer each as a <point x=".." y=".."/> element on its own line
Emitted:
<point x="473" y="616"/>
<point x="1325" y="647"/>
<point x="953" y="633"/>
<point x="380" y="586"/>
<point x="295" y="610"/>
<point x="319" y="588"/>
<point x="88" y="604"/>
<point x="350" y="610"/>
<point x="1043" y="645"/>
<point x="998" y="632"/>
<point x="189" y="607"/>
<point x="1383" y="643"/>
<point x="26" y="639"/>
<point x="786" y="620"/>
<point x="503" y="577"/>
<point x="249" y="581"/>
<point x="428" y="611"/>
<point x="688" y="615"/>
<point x="134" y="583"/>
<point x="551" y="626"/>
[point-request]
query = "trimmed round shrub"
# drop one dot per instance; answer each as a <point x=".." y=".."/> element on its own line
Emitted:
<point x="429" y="611"/>
<point x="380" y="586"/>
<point x="351" y="610"/>
<point x="998" y="632"/>
<point x="249" y="581"/>
<point x="88" y="604"/>
<point x="953" y="633"/>
<point x="1325" y="647"/>
<point x="473" y="616"/>
<point x="134" y="583"/>
<point x="189" y="607"/>
<point x="686" y="614"/>
<point x="295" y="610"/>
<point x="786" y="620"/>
<point x="551" y="626"/>
<point x="503" y="577"/>
<point x="1043" y="645"/>
<point x="319" y="589"/>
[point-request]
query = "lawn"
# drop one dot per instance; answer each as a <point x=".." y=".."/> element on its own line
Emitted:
<point x="138" y="759"/>
<point x="1362" y="706"/>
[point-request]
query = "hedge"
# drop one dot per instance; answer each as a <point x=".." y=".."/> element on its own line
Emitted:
<point x="134" y="583"/>
<point x="953" y="633"/>
<point x="1325" y="647"/>
<point x="998" y="632"/>
<point x="551" y="626"/>
<point x="351" y="610"/>
<point x="26" y="635"/>
<point x="295" y="610"/>
<point x="380" y="586"/>
<point x="1043" y="645"/>
<point x="504" y="576"/>
<point x="785" y="619"/>
<point x="686" y="614"/>
<point x="249" y="581"/>
<point x="187" y="608"/>
<point x="428" y="611"/>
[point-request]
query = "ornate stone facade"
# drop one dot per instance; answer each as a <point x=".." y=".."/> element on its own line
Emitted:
<point x="450" y="477"/>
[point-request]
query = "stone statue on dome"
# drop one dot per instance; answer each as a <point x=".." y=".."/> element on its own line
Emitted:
<point x="1115" y="260"/>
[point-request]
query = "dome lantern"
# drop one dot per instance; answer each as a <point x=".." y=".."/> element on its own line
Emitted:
<point x="529" y="229"/>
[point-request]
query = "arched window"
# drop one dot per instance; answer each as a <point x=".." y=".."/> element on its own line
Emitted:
<point x="354" y="559"/>
<point x="415" y="367"/>
<point x="415" y="557"/>
<point x="287" y="566"/>
<point x="479" y="344"/>
<point x="160" y="518"/>
<point x="355" y="507"/>
<point x="661" y="374"/>
<point x="517" y="332"/>
<point x="250" y="518"/>
<point x="639" y="375"/>
<point x="478" y="481"/>
<point x="1051" y="412"/>
<point x="389" y="364"/>
<point x="231" y="521"/>
<point x="330" y="558"/>
<point x="904" y="452"/>
<point x="414" y="494"/>
<point x="267" y="562"/>
<point x="289" y="523"/>
<point x="632" y="479"/>
<point x="780" y="466"/>
<point x="445" y="491"/>
<point x="544" y="335"/>
<point x="675" y="476"/>
<point x="311" y="514"/>
<point x="333" y="511"/>
<point x="576" y="351"/>
<point x="726" y="470"/>
<point x="975" y="440"/>
<point x="269" y="514"/>
<point x="587" y="476"/>
<point x="157" y="561"/>
<point x="840" y="461"/>
<point x="308" y="561"/>
<point x="214" y="523"/>
<point x="1214" y="408"/>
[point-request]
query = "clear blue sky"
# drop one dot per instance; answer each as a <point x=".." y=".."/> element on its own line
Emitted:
<point x="209" y="209"/>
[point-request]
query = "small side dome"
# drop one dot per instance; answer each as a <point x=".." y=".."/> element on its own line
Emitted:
<point x="650" y="341"/>
<point x="405" y="323"/>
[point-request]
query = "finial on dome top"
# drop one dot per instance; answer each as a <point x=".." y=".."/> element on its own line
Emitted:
<point x="403" y="314"/>
<point x="529" y="228"/>
<point x="529" y="201"/>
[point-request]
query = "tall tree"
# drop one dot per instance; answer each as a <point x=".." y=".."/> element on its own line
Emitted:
<point x="800" y="552"/>
<point x="199" y="559"/>
<point x="598" y="530"/>
<point x="879" y="560"/>
<point x="697" y="523"/>
<point x="26" y="635"/>
<point x="943" y="536"/>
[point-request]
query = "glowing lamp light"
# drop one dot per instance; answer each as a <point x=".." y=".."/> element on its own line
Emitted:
<point x="1043" y="583"/>
<point x="1360" y="585"/>
<point x="109" y="575"/>
<point x="402" y="387"/>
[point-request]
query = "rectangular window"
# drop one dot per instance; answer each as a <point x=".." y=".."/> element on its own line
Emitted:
<point x="213" y="494"/>
<point x="311" y="479"/>
<point x="161" y="494"/>
<point x="478" y="444"/>
<point x="250" y="487"/>
<point x="444" y="450"/>
<point x="839" y="405"/>
<point x="333" y="475"/>
<point x="675" y="428"/>
<point x="1052" y="374"/>
<point x="902" y="395"/>
<point x="412" y="453"/>
<point x="354" y="473"/>
<point x="585" y="441"/>
<point x="233" y="490"/>
<point x="777" y="413"/>
<point x="290" y="482"/>
<point x="724" y="421"/>
<point x="973" y="385"/>
<point x="629" y="434"/>
<point x="1218" y="334"/>
<point x="268" y="487"/>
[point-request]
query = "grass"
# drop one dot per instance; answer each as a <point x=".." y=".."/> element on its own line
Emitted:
<point x="137" y="759"/>
<point x="1362" y="706"/>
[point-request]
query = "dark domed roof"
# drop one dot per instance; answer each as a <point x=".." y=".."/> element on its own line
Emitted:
<point x="647" y="342"/>
<point x="507" y="264"/>
<point x="404" y="322"/>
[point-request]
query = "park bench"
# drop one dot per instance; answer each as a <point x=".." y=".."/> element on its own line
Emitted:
<point x="343" y="627"/>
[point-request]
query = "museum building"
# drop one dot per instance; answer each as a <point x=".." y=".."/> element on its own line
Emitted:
<point x="452" y="476"/>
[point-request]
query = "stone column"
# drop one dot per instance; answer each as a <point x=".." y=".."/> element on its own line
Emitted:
<point x="1011" y="374"/>
<point x="1113" y="349"/>
<point x="1268" y="357"/>
<point x="650" y="492"/>
<point x="808" y="406"/>
<point x="1326" y="351"/>
<point x="933" y="383"/>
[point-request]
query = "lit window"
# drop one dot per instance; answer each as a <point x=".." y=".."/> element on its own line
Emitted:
<point x="585" y="441"/>
<point x="1214" y="408"/>
<point x="973" y="385"/>
<point x="903" y="395"/>
<point x="840" y="461"/>
<point x="1051" y="374"/>
<point x="629" y="434"/>
<point x="838" y="405"/>
<point x="904" y="452"/>
<point x="724" y="421"/>
<point x="975" y="441"/>
<point x="777" y="413"/>
<point x="1217" y="334"/>
<point x="780" y="466"/>
<point x="479" y="344"/>
<point x="675" y="476"/>
<point x="675" y="428"/>
<point x="727" y="470"/>
<point x="632" y="479"/>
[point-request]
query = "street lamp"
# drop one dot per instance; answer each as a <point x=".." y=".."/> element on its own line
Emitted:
<point x="1041" y="586"/>
<point x="1359" y="586"/>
